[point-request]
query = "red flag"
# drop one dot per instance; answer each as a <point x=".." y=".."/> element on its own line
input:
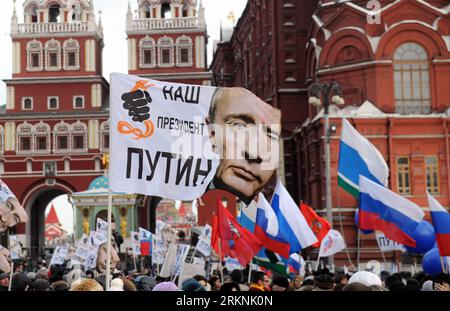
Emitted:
<point x="236" y="241"/>
<point x="320" y="226"/>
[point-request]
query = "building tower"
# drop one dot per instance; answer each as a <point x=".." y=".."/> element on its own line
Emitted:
<point x="167" y="41"/>
<point x="55" y="128"/>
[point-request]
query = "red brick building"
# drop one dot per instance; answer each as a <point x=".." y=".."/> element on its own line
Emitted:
<point x="55" y="128"/>
<point x="394" y="74"/>
<point x="265" y="55"/>
<point x="167" y="41"/>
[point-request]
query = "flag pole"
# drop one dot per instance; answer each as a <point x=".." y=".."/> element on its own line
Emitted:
<point x="108" y="248"/>
<point x="250" y="271"/>
<point x="220" y="258"/>
<point x="11" y="275"/>
<point x="317" y="263"/>
<point x="442" y="265"/>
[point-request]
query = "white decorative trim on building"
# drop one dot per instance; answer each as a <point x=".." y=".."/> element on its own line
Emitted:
<point x="49" y="98"/>
<point x="132" y="54"/>
<point x="71" y="46"/>
<point x="147" y="44"/>
<point x="23" y="103"/>
<point x="10" y="97"/>
<point x="52" y="46"/>
<point x="184" y="42"/>
<point x="165" y="43"/>
<point x="61" y="129"/>
<point x="104" y="131"/>
<point x="79" y="129"/>
<point x="33" y="47"/>
<point x="74" y="101"/>
<point x="41" y="130"/>
<point x="16" y="57"/>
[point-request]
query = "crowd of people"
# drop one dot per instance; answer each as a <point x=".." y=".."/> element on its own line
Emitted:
<point x="71" y="277"/>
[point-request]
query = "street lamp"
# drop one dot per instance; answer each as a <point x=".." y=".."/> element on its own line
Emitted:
<point x="327" y="90"/>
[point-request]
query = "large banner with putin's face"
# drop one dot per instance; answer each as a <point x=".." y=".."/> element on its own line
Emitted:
<point x="178" y="141"/>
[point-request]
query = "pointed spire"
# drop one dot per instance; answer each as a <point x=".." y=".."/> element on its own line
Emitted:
<point x="201" y="14"/>
<point x="14" y="20"/>
<point x="129" y="16"/>
<point x="100" y="25"/>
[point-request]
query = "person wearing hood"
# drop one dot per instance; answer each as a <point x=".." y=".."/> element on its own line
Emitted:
<point x="4" y="281"/>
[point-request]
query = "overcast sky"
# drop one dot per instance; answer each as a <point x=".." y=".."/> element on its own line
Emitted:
<point x="115" y="58"/>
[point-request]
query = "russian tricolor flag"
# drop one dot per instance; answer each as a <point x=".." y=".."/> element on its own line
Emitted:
<point x="145" y="239"/>
<point x="358" y="156"/>
<point x="384" y="210"/>
<point x="441" y="223"/>
<point x="267" y="228"/>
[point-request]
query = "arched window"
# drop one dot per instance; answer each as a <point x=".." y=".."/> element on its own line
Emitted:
<point x="147" y="48"/>
<point x="184" y="51"/>
<point x="71" y="55"/>
<point x="42" y="138"/>
<point x="31" y="14"/>
<point x="34" y="56"/>
<point x="166" y="12"/>
<point x="104" y="136"/>
<point x="54" y="13"/>
<point x="52" y="55"/>
<point x="79" y="137"/>
<point x="146" y="8"/>
<point x="76" y="12"/>
<point x="61" y="137"/>
<point x="412" y="79"/>
<point x="24" y="138"/>
<point x="165" y="55"/>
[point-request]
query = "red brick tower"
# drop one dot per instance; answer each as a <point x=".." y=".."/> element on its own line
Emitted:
<point x="167" y="41"/>
<point x="55" y="128"/>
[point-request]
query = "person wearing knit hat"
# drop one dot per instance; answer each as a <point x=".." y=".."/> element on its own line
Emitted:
<point x="365" y="277"/>
<point x="116" y="285"/>
<point x="166" y="287"/>
<point x="427" y="286"/>
<point x="192" y="285"/>
<point x="4" y="281"/>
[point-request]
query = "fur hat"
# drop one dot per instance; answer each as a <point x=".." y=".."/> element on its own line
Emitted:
<point x="86" y="285"/>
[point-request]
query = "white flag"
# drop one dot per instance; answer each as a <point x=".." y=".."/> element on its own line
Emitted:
<point x="59" y="255"/>
<point x="387" y="245"/>
<point x="168" y="266"/>
<point x="204" y="246"/>
<point x="15" y="247"/>
<point x="102" y="227"/>
<point x="206" y="232"/>
<point x="135" y="243"/>
<point x="331" y="244"/>
<point x="182" y="252"/>
<point x="159" y="226"/>
<point x="159" y="138"/>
